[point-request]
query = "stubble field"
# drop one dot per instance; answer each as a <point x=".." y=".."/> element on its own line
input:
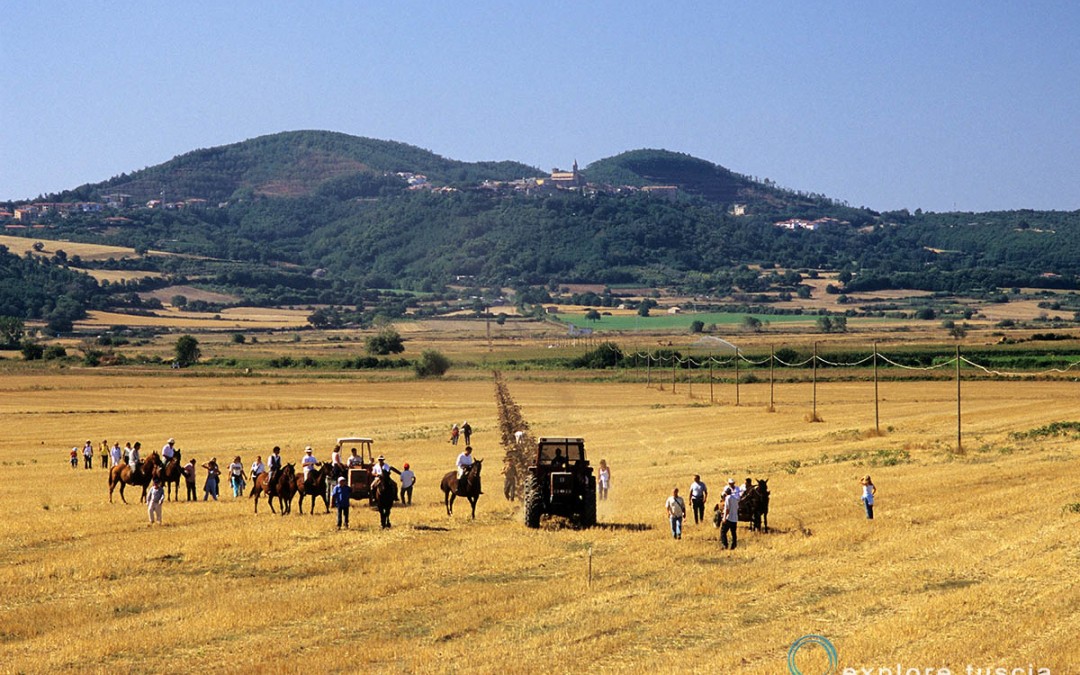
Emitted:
<point x="972" y="559"/>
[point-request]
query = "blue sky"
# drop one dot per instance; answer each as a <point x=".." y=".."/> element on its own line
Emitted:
<point x="943" y="106"/>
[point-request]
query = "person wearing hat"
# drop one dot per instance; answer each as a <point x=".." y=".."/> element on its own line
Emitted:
<point x="730" y="518"/>
<point x="699" y="494"/>
<point x="379" y="468"/>
<point x="341" y="495"/>
<point x="274" y="468"/>
<point x="115" y="456"/>
<point x="408" y="479"/>
<point x="88" y="455"/>
<point x="308" y="462"/>
<point x="868" y="492"/>
<point x="168" y="450"/>
<point x="154" y="498"/>
<point x="733" y="487"/>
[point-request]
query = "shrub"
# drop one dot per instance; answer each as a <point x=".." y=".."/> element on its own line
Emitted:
<point x="187" y="351"/>
<point x="432" y="363"/>
<point x="32" y="351"/>
<point x="53" y="352"/>
<point x="388" y="341"/>
<point x="607" y="355"/>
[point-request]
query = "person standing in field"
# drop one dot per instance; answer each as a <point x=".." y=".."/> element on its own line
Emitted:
<point x="603" y="479"/>
<point x="699" y="494"/>
<point x="210" y="488"/>
<point x="341" y="496"/>
<point x="455" y="431"/>
<point x="75" y="457"/>
<point x="676" y="510"/>
<point x="189" y="479"/>
<point x="154" y="499"/>
<point x="868" y="492"/>
<point x="731" y="518"/>
<point x="88" y="455"/>
<point x="103" y="454"/>
<point x="114" y="457"/>
<point x="408" y="479"/>
<point x="236" y="477"/>
<point x="466" y="432"/>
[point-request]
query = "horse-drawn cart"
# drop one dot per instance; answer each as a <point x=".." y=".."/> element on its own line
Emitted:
<point x="360" y="477"/>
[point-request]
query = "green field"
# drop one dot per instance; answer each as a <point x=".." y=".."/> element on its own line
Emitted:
<point x="670" y="321"/>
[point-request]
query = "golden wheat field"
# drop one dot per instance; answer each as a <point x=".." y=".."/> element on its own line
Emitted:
<point x="972" y="560"/>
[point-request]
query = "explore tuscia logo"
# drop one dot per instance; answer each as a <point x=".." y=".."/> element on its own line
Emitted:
<point x="812" y="647"/>
<point x="811" y="641"/>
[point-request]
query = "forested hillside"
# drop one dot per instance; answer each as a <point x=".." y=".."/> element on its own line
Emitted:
<point x="325" y="217"/>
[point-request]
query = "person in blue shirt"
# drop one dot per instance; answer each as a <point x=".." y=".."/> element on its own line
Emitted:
<point x="341" y="495"/>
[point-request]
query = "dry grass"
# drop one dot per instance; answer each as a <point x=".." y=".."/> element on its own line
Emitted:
<point x="972" y="559"/>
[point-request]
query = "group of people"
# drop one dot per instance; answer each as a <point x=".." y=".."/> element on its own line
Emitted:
<point x="725" y="513"/>
<point x="464" y="432"/>
<point x="110" y="455"/>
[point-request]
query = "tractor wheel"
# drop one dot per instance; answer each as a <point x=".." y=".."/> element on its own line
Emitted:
<point x="588" y="510"/>
<point x="534" y="502"/>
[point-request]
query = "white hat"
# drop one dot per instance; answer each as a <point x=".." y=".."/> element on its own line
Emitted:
<point x="308" y="449"/>
<point x="381" y="458"/>
<point x="731" y="481"/>
<point x="171" y="441"/>
<point x="341" y="479"/>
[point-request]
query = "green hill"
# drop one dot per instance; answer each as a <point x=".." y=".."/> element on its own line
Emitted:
<point x="291" y="164"/>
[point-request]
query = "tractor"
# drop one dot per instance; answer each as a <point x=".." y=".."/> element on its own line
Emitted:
<point x="560" y="483"/>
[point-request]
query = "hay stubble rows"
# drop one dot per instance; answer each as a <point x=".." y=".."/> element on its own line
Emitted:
<point x="972" y="558"/>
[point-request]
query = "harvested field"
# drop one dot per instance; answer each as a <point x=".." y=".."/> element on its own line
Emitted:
<point x="971" y="560"/>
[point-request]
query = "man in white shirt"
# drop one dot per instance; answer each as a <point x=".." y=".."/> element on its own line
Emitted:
<point x="676" y="510"/>
<point x="464" y="461"/>
<point x="731" y="518"/>
<point x="355" y="459"/>
<point x="169" y="450"/>
<point x="309" y="461"/>
<point x="699" y="494"/>
<point x="114" y="455"/>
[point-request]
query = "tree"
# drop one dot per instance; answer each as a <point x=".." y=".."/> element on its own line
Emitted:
<point x="751" y="323"/>
<point x="187" y="351"/>
<point x="11" y="331"/>
<point x="179" y="301"/>
<point x="32" y="351"/>
<point x="697" y="326"/>
<point x="239" y="338"/>
<point x="432" y="363"/>
<point x="958" y="332"/>
<point x="38" y="246"/>
<point x="592" y="315"/>
<point x="387" y="341"/>
<point x="824" y="324"/>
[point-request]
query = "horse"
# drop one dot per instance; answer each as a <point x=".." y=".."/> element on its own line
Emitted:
<point x="171" y="474"/>
<point x="145" y="471"/>
<point x="314" y="485"/>
<point x="284" y="488"/>
<point x="385" y="494"/>
<point x="470" y="488"/>
<point x="754" y="506"/>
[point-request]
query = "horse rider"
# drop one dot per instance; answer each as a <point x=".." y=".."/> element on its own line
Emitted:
<point x="464" y="463"/>
<point x="338" y="467"/>
<point x="168" y="450"/>
<point x="747" y="487"/>
<point x="308" y="462"/>
<point x="134" y="453"/>
<point x="275" y="467"/>
<point x="257" y="467"/>
<point x="381" y="468"/>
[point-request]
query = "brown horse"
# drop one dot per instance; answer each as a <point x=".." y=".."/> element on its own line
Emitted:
<point x="284" y="488"/>
<point x="385" y="495"/>
<point x="469" y="488"/>
<point x="171" y="474"/>
<point x="141" y="475"/>
<point x="315" y="485"/>
<point x="754" y="506"/>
